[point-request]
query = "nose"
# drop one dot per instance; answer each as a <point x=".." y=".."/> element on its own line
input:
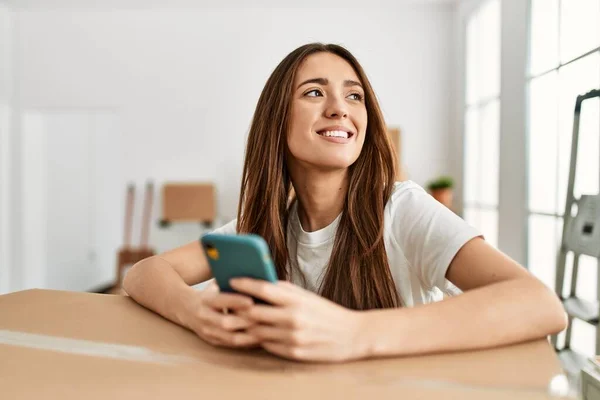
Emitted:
<point x="336" y="108"/>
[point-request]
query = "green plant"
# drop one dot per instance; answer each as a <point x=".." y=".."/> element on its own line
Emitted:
<point x="443" y="182"/>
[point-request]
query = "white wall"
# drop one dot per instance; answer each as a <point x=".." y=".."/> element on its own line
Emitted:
<point x="5" y="126"/>
<point x="70" y="229"/>
<point x="185" y="81"/>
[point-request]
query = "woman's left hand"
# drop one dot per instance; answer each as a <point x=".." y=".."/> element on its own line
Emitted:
<point x="301" y="325"/>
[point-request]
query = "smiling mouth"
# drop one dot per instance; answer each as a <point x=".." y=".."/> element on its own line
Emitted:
<point x="338" y="134"/>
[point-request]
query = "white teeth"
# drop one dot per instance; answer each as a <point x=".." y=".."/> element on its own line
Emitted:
<point x="341" y="134"/>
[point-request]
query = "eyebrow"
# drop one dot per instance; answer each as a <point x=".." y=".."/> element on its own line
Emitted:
<point x="325" y="82"/>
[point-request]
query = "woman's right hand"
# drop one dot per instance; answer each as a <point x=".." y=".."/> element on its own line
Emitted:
<point x="212" y="316"/>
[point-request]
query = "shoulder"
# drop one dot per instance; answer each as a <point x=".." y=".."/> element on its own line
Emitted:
<point x="411" y="209"/>
<point x="408" y="195"/>
<point x="406" y="187"/>
<point x="407" y="213"/>
<point x="229" y="228"/>
<point x="416" y="219"/>
<point x="428" y="233"/>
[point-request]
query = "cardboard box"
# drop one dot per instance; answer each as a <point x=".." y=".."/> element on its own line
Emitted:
<point x="189" y="202"/>
<point x="66" y="345"/>
<point x="396" y="138"/>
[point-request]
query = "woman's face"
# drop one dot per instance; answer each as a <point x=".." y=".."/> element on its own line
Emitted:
<point x="328" y="120"/>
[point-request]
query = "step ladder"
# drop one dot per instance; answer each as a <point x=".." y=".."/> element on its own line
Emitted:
<point x="580" y="236"/>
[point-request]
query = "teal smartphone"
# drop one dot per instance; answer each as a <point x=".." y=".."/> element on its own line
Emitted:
<point x="237" y="256"/>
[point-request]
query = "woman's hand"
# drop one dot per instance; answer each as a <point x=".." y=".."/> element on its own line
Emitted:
<point x="301" y="325"/>
<point x="214" y="316"/>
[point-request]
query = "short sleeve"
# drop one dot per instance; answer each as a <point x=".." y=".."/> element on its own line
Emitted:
<point x="229" y="228"/>
<point x="428" y="232"/>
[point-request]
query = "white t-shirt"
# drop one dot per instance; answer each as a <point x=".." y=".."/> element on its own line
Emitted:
<point x="421" y="237"/>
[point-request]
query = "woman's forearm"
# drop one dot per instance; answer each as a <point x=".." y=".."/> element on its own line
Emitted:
<point x="502" y="313"/>
<point x="154" y="284"/>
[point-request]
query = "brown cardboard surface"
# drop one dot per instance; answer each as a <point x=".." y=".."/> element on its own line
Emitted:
<point x="189" y="202"/>
<point x="522" y="371"/>
<point x="396" y="139"/>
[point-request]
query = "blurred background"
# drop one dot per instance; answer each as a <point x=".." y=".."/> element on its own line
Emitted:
<point x="156" y="96"/>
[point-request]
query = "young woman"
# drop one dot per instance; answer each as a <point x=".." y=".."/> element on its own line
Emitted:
<point x="361" y="259"/>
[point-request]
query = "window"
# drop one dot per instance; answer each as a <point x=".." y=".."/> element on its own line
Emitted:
<point x="564" y="63"/>
<point x="482" y="114"/>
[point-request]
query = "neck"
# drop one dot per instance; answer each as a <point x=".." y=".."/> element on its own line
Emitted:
<point x="321" y="196"/>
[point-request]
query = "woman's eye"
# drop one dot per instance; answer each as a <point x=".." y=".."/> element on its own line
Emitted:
<point x="314" y="93"/>
<point x="356" y="96"/>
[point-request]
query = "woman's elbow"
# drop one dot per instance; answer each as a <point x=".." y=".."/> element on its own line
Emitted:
<point x="130" y="279"/>
<point x="557" y="320"/>
<point x="127" y="283"/>
<point x="560" y="321"/>
<point x="555" y="316"/>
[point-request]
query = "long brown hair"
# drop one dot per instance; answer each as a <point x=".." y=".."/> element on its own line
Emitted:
<point x="358" y="275"/>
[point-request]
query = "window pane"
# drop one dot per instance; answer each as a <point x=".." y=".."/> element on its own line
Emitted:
<point x="489" y="226"/>
<point x="484" y="220"/>
<point x="574" y="79"/>
<point x="543" y="246"/>
<point x="471" y="60"/>
<point x="583" y="338"/>
<point x="544" y="35"/>
<point x="543" y="142"/>
<point x="588" y="275"/>
<point x="489" y="48"/>
<point x="586" y="181"/>
<point x="472" y="216"/>
<point x="490" y="143"/>
<point x="483" y="53"/>
<point x="579" y="27"/>
<point x="472" y="153"/>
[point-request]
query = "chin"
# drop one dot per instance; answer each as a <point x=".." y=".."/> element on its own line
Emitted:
<point x="327" y="161"/>
<point x="335" y="164"/>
